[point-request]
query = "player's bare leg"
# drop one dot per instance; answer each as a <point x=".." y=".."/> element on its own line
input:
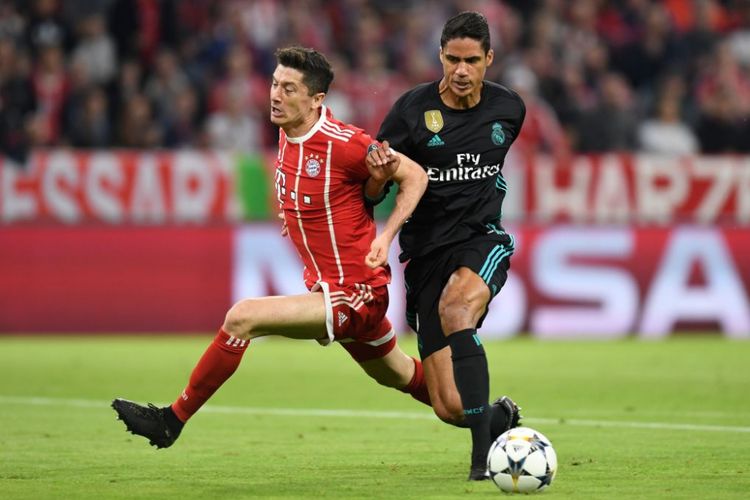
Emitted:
<point x="446" y="401"/>
<point x="395" y="369"/>
<point x="298" y="317"/>
<point x="463" y="301"/>
<point x="399" y="371"/>
<point x="462" y="304"/>
<point x="294" y="317"/>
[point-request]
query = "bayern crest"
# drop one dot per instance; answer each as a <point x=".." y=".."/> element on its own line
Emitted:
<point x="312" y="166"/>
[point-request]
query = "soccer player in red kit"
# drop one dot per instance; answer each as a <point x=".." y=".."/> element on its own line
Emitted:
<point x="322" y="181"/>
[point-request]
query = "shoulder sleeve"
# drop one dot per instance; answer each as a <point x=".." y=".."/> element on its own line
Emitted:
<point x="521" y="116"/>
<point x="395" y="129"/>
<point x="356" y="151"/>
<point x="355" y="165"/>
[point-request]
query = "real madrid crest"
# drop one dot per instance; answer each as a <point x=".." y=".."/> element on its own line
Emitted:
<point x="498" y="134"/>
<point x="433" y="120"/>
<point x="312" y="165"/>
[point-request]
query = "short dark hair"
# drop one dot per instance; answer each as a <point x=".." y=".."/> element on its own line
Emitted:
<point x="315" y="68"/>
<point x="467" y="25"/>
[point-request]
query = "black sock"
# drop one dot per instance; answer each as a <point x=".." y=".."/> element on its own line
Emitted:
<point x="473" y="384"/>
<point x="499" y="422"/>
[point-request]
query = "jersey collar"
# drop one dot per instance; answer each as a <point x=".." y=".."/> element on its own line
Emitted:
<point x="311" y="132"/>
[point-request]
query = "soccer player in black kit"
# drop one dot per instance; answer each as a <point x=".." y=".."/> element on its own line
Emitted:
<point x="459" y="130"/>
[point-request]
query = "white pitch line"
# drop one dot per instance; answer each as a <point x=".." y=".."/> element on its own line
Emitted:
<point x="347" y="413"/>
<point x="637" y="425"/>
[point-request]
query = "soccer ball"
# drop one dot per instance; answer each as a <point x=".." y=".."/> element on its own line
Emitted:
<point x="522" y="460"/>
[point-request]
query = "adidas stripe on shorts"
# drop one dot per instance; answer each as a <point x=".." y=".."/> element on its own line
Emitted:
<point x="355" y="317"/>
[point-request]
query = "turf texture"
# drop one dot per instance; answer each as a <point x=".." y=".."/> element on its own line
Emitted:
<point x="628" y="419"/>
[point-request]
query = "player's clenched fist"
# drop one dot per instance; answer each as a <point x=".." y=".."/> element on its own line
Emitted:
<point x="382" y="161"/>
<point x="378" y="255"/>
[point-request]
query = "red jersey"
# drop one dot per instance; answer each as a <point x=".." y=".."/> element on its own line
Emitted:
<point x="319" y="184"/>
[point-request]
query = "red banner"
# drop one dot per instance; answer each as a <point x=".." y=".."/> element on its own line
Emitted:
<point x="566" y="281"/>
<point x="114" y="279"/>
<point x="640" y="189"/>
<point x="141" y="188"/>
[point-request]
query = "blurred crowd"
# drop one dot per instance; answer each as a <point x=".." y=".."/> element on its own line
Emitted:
<point x="667" y="76"/>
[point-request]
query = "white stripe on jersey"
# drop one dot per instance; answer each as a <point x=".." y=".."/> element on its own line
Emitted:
<point x="337" y="128"/>
<point x="332" y="132"/>
<point x="296" y="207"/>
<point x="329" y="214"/>
<point x="333" y="127"/>
<point x="344" y="131"/>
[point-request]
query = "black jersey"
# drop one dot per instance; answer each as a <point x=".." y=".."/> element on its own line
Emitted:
<point x="462" y="152"/>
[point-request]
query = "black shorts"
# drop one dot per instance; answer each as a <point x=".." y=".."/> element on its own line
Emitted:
<point x="487" y="255"/>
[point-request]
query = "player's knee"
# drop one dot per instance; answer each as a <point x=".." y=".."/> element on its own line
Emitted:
<point x="455" y="312"/>
<point x="237" y="321"/>
<point x="461" y="307"/>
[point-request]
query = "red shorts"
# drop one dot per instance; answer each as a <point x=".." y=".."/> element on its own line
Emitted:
<point x="355" y="317"/>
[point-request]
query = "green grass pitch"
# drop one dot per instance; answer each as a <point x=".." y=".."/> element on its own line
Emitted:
<point x="629" y="419"/>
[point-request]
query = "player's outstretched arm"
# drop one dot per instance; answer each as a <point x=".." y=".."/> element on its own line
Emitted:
<point x="412" y="183"/>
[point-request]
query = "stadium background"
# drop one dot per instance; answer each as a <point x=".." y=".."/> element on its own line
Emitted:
<point x="136" y="180"/>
